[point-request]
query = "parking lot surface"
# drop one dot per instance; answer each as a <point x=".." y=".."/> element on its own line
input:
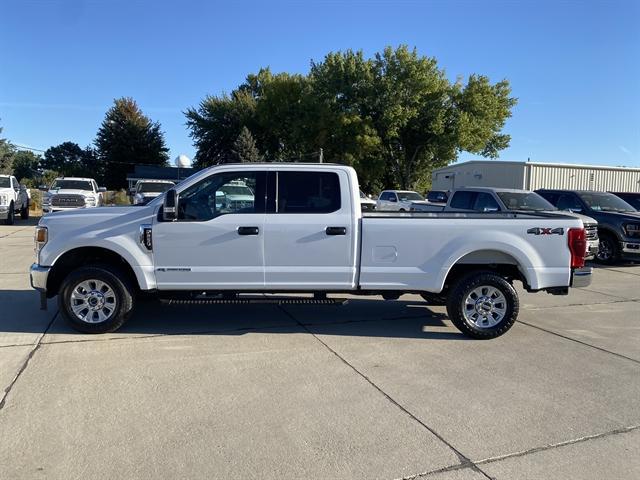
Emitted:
<point x="369" y="389"/>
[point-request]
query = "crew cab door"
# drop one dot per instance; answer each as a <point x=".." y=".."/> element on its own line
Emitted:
<point x="217" y="242"/>
<point x="310" y="237"/>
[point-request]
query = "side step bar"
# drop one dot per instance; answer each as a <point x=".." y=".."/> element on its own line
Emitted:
<point x="254" y="301"/>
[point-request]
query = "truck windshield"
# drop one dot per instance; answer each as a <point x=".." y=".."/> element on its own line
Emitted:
<point x="71" y="185"/>
<point x="404" y="196"/>
<point x="154" y="187"/>
<point x="605" y="202"/>
<point x="4" y="182"/>
<point x="525" y="201"/>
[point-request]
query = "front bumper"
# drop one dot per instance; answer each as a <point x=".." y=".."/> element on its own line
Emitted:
<point x="38" y="276"/>
<point x="630" y="249"/>
<point x="581" y="277"/>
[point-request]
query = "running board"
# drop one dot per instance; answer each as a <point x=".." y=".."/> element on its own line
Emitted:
<point x="253" y="301"/>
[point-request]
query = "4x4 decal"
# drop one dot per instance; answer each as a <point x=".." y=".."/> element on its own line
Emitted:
<point x="545" y="231"/>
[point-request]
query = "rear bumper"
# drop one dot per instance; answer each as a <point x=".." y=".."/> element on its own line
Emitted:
<point x="581" y="277"/>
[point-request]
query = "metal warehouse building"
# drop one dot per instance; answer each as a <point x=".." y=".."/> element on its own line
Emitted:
<point x="532" y="175"/>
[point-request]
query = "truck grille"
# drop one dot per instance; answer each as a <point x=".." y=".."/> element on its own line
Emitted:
<point x="67" y="201"/>
<point x="592" y="231"/>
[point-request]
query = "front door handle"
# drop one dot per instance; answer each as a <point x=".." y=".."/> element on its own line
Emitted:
<point x="248" y="230"/>
<point x="336" y="230"/>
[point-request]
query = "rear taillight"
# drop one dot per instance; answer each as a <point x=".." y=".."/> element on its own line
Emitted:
<point x="578" y="246"/>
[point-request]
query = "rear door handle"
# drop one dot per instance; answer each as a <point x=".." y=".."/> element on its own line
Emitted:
<point x="248" y="230"/>
<point x="336" y="230"/>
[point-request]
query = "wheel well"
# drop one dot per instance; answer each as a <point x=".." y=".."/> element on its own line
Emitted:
<point x="486" y="260"/>
<point x="607" y="232"/>
<point x="85" y="256"/>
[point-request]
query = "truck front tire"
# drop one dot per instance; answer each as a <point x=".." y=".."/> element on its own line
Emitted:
<point x="608" y="251"/>
<point x="96" y="299"/>
<point x="24" y="211"/>
<point x="483" y="305"/>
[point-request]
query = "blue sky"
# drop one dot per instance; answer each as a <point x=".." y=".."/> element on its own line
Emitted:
<point x="574" y="65"/>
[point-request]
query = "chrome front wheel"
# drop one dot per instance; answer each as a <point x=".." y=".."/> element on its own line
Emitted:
<point x="93" y="301"/>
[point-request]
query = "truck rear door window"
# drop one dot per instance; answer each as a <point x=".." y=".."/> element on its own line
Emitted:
<point x="463" y="200"/>
<point x="308" y="192"/>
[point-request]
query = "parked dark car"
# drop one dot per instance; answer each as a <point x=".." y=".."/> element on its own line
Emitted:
<point x="437" y="196"/>
<point x="632" y="198"/>
<point x="618" y="222"/>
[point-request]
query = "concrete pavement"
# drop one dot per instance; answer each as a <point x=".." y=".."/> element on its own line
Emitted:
<point x="371" y="389"/>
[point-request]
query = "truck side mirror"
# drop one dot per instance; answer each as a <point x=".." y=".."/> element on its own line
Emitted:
<point x="102" y="189"/>
<point x="43" y="188"/>
<point x="170" y="206"/>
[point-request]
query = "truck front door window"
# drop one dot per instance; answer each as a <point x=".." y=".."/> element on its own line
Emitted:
<point x="224" y="193"/>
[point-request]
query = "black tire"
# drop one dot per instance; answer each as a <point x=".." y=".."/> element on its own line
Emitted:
<point x="477" y="281"/>
<point x="608" y="250"/>
<point x="24" y="212"/>
<point x="116" y="282"/>
<point x="11" y="215"/>
<point x="434" y="299"/>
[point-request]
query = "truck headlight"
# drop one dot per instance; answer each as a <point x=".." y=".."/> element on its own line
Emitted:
<point x="4" y="199"/>
<point x="632" y="229"/>
<point x="90" y="200"/>
<point x="46" y="199"/>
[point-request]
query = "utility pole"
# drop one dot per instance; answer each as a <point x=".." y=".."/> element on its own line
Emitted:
<point x="321" y="155"/>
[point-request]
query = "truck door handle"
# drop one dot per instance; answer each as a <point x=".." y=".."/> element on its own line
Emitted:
<point x="248" y="230"/>
<point x="336" y="230"/>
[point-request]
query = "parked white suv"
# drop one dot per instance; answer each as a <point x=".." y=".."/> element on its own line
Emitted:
<point x="147" y="190"/>
<point x="14" y="199"/>
<point x="398" y="200"/>
<point x="68" y="193"/>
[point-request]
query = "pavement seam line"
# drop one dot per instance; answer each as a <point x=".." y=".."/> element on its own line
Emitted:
<point x="25" y="364"/>
<point x="605" y="294"/>
<point x="579" y="304"/>
<point x="17" y="231"/>
<point x="464" y="460"/>
<point x="553" y="446"/>
<point x="579" y="341"/>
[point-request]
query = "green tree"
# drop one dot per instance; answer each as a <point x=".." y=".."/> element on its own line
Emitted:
<point x="7" y="150"/>
<point x="25" y="165"/>
<point x="70" y="160"/>
<point x="244" y="148"/>
<point x="216" y="124"/>
<point x="127" y="137"/>
<point x="394" y="117"/>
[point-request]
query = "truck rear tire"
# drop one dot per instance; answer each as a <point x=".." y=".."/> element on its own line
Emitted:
<point x="24" y="212"/>
<point x="483" y="305"/>
<point x="96" y="299"/>
<point x="11" y="215"/>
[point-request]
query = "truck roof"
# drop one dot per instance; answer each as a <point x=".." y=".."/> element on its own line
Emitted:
<point x="151" y="180"/>
<point x="86" y="179"/>
<point x="494" y="189"/>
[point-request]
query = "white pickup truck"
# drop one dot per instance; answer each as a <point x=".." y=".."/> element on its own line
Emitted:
<point x="69" y="193"/>
<point x="302" y="230"/>
<point x="14" y="199"/>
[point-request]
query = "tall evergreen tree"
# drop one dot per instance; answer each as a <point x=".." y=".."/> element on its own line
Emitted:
<point x="127" y="137"/>
<point x="244" y="148"/>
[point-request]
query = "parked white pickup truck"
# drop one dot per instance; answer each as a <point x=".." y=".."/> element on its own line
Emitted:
<point x="69" y="193"/>
<point x="14" y="199"/>
<point x="303" y="231"/>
